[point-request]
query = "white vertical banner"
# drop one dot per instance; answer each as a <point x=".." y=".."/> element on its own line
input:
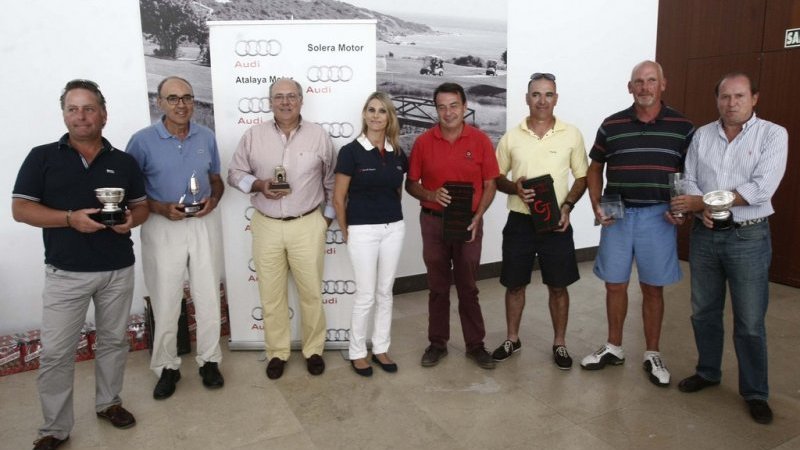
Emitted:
<point x="334" y="61"/>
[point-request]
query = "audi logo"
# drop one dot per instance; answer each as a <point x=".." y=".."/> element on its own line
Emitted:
<point x="254" y="105"/>
<point x="334" y="237"/>
<point x="251" y="265"/>
<point x="338" y="287"/>
<point x="337" y="334"/>
<point x="338" y="129"/>
<point x="248" y="213"/>
<point x="329" y="73"/>
<point x="260" y="47"/>
<point x="257" y="313"/>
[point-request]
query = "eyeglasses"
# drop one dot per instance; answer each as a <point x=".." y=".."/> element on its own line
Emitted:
<point x="291" y="98"/>
<point x="545" y="75"/>
<point x="174" y="99"/>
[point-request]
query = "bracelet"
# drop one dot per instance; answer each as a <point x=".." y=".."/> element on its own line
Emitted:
<point x="568" y="203"/>
<point x="69" y="213"/>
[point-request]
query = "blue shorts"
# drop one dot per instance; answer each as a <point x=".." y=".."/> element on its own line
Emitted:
<point x="646" y="236"/>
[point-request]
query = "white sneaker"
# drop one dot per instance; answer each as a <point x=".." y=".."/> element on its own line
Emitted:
<point x="656" y="369"/>
<point x="604" y="355"/>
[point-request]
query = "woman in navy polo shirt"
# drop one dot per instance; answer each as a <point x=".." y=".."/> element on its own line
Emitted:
<point x="369" y="180"/>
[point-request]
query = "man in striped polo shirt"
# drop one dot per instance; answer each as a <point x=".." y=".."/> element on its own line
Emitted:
<point x="639" y="147"/>
<point x="746" y="155"/>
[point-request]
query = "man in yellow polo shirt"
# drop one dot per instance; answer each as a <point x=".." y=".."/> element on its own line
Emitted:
<point x="540" y="145"/>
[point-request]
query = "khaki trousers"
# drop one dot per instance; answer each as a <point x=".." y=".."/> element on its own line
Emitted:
<point x="297" y="245"/>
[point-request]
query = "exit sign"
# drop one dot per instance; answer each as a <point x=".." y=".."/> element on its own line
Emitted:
<point x="792" y="38"/>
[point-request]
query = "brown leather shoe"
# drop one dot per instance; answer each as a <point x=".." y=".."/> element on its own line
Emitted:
<point x="48" y="442"/>
<point x="118" y="416"/>
<point x="315" y="364"/>
<point x="275" y="368"/>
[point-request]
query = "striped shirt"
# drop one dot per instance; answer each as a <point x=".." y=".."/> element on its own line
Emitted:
<point x="639" y="156"/>
<point x="752" y="164"/>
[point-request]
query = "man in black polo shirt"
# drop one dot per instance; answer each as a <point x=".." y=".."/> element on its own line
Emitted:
<point x="85" y="260"/>
<point x="639" y="147"/>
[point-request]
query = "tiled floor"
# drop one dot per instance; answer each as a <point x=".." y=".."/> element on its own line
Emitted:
<point x="525" y="403"/>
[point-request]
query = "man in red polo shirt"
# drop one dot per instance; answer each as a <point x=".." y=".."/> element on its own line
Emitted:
<point x="452" y="151"/>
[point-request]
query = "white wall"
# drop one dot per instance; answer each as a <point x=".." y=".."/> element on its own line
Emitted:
<point x="591" y="46"/>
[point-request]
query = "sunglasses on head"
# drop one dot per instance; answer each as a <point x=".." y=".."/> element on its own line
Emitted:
<point x="545" y="75"/>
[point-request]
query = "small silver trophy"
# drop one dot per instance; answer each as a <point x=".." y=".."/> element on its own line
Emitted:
<point x="676" y="187"/>
<point x="194" y="188"/>
<point x="111" y="214"/>
<point x="280" y="184"/>
<point x="718" y="204"/>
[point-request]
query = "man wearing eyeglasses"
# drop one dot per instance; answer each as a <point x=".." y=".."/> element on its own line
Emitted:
<point x="289" y="228"/>
<point x="180" y="162"/>
<point x="541" y="145"/>
<point x="639" y="147"/>
<point x="86" y="261"/>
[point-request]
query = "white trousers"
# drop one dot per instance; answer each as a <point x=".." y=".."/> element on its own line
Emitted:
<point x="374" y="252"/>
<point x="169" y="248"/>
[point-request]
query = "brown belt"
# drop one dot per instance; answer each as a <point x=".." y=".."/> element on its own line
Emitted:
<point x="291" y="217"/>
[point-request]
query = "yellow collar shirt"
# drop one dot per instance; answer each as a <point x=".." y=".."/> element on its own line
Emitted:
<point x="520" y="153"/>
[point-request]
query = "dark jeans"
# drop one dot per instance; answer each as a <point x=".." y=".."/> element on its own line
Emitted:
<point x="740" y="256"/>
<point x="456" y="260"/>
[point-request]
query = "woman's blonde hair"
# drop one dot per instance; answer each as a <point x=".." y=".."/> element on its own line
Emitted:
<point x="392" y="125"/>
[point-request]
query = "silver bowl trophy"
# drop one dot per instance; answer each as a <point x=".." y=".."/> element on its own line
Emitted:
<point x="718" y="204"/>
<point x="280" y="184"/>
<point x="194" y="207"/>
<point x="111" y="214"/>
<point x="676" y="187"/>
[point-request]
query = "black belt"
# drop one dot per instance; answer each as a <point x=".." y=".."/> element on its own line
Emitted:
<point x="431" y="212"/>
<point x="291" y="217"/>
<point x="747" y="223"/>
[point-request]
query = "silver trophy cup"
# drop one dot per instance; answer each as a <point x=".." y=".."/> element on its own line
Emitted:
<point x="718" y="204"/>
<point x="195" y="206"/>
<point x="111" y="214"/>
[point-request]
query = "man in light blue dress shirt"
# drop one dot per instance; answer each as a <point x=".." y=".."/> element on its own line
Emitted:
<point x="746" y="155"/>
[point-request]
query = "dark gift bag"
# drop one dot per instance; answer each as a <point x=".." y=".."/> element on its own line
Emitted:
<point x="184" y="343"/>
<point x="544" y="209"/>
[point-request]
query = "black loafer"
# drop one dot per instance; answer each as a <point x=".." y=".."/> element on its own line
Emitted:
<point x="166" y="384"/>
<point x="365" y="372"/>
<point x="695" y="383"/>
<point x="390" y="367"/>
<point x="48" y="442"/>
<point x="212" y="378"/>
<point x="315" y="365"/>
<point x="760" y="411"/>
<point x="275" y="368"/>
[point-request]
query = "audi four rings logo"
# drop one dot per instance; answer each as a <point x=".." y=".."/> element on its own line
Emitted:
<point x="329" y="73"/>
<point x="251" y="265"/>
<point x="248" y="213"/>
<point x="338" y="129"/>
<point x="334" y="237"/>
<point x="337" y="335"/>
<point x="257" y="313"/>
<point x="254" y="105"/>
<point x="338" y="287"/>
<point x="258" y="47"/>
